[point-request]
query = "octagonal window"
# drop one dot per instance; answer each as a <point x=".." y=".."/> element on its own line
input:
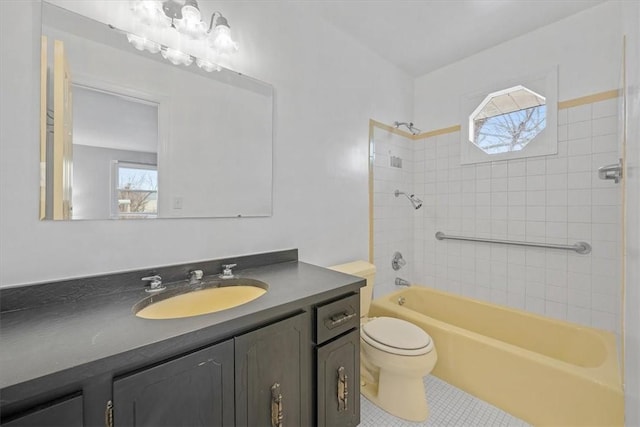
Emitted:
<point x="507" y="120"/>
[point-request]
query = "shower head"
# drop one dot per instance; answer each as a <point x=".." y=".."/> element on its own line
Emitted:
<point x="412" y="129"/>
<point x="416" y="202"/>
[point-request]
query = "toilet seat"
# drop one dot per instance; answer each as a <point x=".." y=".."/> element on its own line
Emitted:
<point x="396" y="336"/>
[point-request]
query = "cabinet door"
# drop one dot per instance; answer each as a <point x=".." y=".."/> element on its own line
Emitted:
<point x="273" y="374"/>
<point x="67" y="413"/>
<point x="193" y="390"/>
<point x="338" y="379"/>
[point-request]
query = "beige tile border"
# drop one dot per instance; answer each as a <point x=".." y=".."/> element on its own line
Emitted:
<point x="389" y="129"/>
<point x="437" y="132"/>
<point x="589" y="99"/>
<point x="372" y="124"/>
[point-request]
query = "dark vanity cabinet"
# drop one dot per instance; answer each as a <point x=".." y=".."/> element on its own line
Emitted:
<point x="338" y="362"/>
<point x="261" y="378"/>
<point x="66" y="412"/>
<point x="297" y="369"/>
<point x="273" y="375"/>
<point x="193" y="390"/>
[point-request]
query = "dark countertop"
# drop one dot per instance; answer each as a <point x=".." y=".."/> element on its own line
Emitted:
<point x="53" y="345"/>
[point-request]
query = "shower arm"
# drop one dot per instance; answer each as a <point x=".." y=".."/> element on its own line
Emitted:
<point x="414" y="130"/>
<point x="416" y="202"/>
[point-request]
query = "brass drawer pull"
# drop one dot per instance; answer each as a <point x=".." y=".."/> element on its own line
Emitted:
<point x="277" y="414"/>
<point x="108" y="414"/>
<point x="338" y="319"/>
<point x="343" y="390"/>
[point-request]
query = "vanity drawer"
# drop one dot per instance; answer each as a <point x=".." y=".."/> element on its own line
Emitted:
<point x="337" y="317"/>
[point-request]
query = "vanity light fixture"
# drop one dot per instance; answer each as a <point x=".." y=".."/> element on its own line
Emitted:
<point x="174" y="29"/>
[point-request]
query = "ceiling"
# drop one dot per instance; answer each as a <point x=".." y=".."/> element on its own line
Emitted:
<point x="420" y="36"/>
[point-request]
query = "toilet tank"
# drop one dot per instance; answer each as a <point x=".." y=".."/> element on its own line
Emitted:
<point x="361" y="269"/>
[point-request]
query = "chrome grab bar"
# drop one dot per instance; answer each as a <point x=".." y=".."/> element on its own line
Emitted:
<point x="580" y="247"/>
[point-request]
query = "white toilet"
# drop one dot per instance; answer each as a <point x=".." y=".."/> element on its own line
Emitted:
<point x="394" y="355"/>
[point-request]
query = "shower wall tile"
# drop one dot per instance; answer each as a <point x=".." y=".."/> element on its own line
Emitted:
<point x="551" y="199"/>
<point x="393" y="217"/>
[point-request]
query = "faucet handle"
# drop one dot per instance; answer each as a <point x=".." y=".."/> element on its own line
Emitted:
<point x="195" y="276"/>
<point x="155" y="283"/>
<point x="227" y="273"/>
<point x="155" y="279"/>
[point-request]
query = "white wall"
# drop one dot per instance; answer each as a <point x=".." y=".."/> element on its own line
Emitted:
<point x="327" y="88"/>
<point x="632" y="251"/>
<point x="586" y="45"/>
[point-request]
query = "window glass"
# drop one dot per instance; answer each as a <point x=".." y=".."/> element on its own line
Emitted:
<point x="137" y="190"/>
<point x="507" y="120"/>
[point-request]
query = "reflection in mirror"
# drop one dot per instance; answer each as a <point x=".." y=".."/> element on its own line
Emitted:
<point x="110" y="131"/>
<point x="130" y="135"/>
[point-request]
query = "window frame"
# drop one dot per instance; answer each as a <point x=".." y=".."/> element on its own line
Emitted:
<point x="545" y="143"/>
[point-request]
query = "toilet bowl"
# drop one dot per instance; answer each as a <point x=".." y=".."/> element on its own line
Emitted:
<point x="395" y="355"/>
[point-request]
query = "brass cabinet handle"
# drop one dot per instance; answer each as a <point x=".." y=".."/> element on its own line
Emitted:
<point x="277" y="414"/>
<point x="343" y="390"/>
<point x="108" y="414"/>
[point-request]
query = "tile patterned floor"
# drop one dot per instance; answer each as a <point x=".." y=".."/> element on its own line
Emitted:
<point x="449" y="406"/>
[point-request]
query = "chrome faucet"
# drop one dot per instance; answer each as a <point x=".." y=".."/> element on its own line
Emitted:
<point x="227" y="273"/>
<point x="195" y="276"/>
<point x="155" y="283"/>
<point x="402" y="282"/>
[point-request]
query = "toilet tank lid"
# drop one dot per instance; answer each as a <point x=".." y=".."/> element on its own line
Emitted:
<point x="356" y="268"/>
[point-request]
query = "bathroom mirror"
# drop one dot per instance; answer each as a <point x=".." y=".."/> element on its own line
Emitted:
<point x="128" y="135"/>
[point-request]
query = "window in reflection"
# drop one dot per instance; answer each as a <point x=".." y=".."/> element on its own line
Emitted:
<point x="136" y="192"/>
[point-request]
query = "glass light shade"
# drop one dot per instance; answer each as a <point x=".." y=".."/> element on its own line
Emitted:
<point x="152" y="46"/>
<point x="194" y="28"/>
<point x="221" y="40"/>
<point x="143" y="43"/>
<point x="191" y="13"/>
<point x="150" y="12"/>
<point x="136" y="41"/>
<point x="176" y="57"/>
<point x="207" y="65"/>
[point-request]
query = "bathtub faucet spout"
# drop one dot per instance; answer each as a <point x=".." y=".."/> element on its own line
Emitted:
<point x="402" y="282"/>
